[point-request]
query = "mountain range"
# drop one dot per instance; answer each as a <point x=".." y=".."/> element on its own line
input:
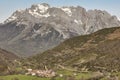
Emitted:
<point x="42" y="27"/>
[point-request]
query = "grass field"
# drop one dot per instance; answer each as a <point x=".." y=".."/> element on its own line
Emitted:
<point x="21" y="77"/>
<point x="66" y="76"/>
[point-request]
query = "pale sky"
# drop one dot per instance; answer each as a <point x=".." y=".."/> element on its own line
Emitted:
<point x="7" y="7"/>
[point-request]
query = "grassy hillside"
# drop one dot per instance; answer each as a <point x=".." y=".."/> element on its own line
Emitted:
<point x="99" y="50"/>
<point x="6" y="61"/>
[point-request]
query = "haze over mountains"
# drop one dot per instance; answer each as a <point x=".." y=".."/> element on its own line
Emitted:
<point x="42" y="27"/>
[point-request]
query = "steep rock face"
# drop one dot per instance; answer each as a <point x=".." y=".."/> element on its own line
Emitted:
<point x="42" y="27"/>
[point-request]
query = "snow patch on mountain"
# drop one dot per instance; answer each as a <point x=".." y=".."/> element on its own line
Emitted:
<point x="118" y="18"/>
<point x="67" y="10"/>
<point x="78" y="21"/>
<point x="12" y="18"/>
<point x="42" y="8"/>
<point x="36" y="14"/>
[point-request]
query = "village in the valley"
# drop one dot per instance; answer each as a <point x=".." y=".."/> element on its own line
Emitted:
<point x="49" y="73"/>
<point x="41" y="73"/>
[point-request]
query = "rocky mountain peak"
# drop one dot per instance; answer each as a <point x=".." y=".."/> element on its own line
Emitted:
<point x="35" y="11"/>
<point x="14" y="16"/>
<point x="42" y="8"/>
